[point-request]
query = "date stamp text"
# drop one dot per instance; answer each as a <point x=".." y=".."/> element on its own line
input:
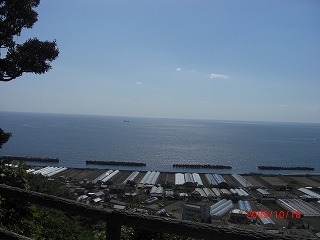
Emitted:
<point x="276" y="214"/>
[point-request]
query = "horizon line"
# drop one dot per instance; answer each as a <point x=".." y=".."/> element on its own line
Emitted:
<point x="174" y="118"/>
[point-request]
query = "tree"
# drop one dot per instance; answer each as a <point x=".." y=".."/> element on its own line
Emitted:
<point x="32" y="56"/>
<point x="4" y="137"/>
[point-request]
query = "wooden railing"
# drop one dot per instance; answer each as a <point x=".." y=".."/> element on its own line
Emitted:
<point x="115" y="218"/>
<point x="8" y="235"/>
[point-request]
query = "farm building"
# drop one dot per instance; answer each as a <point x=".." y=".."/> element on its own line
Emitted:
<point x="102" y="176"/>
<point x="309" y="193"/>
<point x="244" y="182"/>
<point x="49" y="171"/>
<point x="216" y="191"/>
<point x="298" y="205"/>
<point x="197" y="179"/>
<point x="156" y="192"/>
<point x="179" y="179"/>
<point x="221" y="182"/>
<point x="131" y="178"/>
<point x="188" y="179"/>
<point x="193" y="212"/>
<point x="263" y="192"/>
<point x="210" y="179"/>
<point x="201" y="192"/>
<point x="108" y="178"/>
<point x="225" y="191"/>
<point x="150" y="179"/>
<point x="220" y="208"/>
<point x="268" y="223"/>
<point x="244" y="205"/>
<point x="209" y="193"/>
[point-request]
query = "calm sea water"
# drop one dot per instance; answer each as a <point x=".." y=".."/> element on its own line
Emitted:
<point x="161" y="142"/>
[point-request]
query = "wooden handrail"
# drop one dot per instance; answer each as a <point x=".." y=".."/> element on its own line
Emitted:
<point x="8" y="235"/>
<point x="115" y="218"/>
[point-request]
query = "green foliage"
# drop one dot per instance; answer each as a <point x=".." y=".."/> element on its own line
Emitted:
<point x="137" y="234"/>
<point x="16" y="177"/>
<point x="32" y="56"/>
<point x="35" y="221"/>
<point x="16" y="214"/>
<point x="42" y="223"/>
<point x="16" y="15"/>
<point x="39" y="183"/>
<point x="53" y="224"/>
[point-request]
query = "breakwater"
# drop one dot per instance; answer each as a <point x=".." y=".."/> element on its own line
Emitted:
<point x="28" y="158"/>
<point x="209" y="166"/>
<point x="114" y="163"/>
<point x="284" y="168"/>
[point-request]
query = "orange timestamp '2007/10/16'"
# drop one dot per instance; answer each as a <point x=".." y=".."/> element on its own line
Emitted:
<point x="276" y="214"/>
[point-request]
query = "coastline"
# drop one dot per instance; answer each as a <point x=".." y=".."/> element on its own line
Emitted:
<point x="175" y="170"/>
<point x="184" y="168"/>
<point x="315" y="177"/>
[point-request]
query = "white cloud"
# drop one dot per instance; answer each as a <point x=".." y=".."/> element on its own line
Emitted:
<point x="139" y="83"/>
<point x="216" y="76"/>
<point x="178" y="69"/>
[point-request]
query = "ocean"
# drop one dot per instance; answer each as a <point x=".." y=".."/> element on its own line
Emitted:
<point x="162" y="142"/>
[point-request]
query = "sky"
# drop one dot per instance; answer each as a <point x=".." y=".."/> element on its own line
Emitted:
<point x="217" y="59"/>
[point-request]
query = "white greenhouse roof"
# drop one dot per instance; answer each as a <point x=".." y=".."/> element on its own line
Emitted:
<point x="303" y="207"/>
<point x="179" y="179"/>
<point x="309" y="192"/>
<point x="244" y="182"/>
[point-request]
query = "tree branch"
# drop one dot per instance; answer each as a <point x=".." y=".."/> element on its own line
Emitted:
<point x="9" y="78"/>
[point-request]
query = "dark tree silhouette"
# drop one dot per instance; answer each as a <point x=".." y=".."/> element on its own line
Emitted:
<point x="4" y="137"/>
<point x="32" y="56"/>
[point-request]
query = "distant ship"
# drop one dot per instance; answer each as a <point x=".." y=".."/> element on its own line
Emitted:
<point x="126" y="121"/>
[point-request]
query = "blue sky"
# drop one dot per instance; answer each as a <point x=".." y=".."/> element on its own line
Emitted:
<point x="222" y="60"/>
